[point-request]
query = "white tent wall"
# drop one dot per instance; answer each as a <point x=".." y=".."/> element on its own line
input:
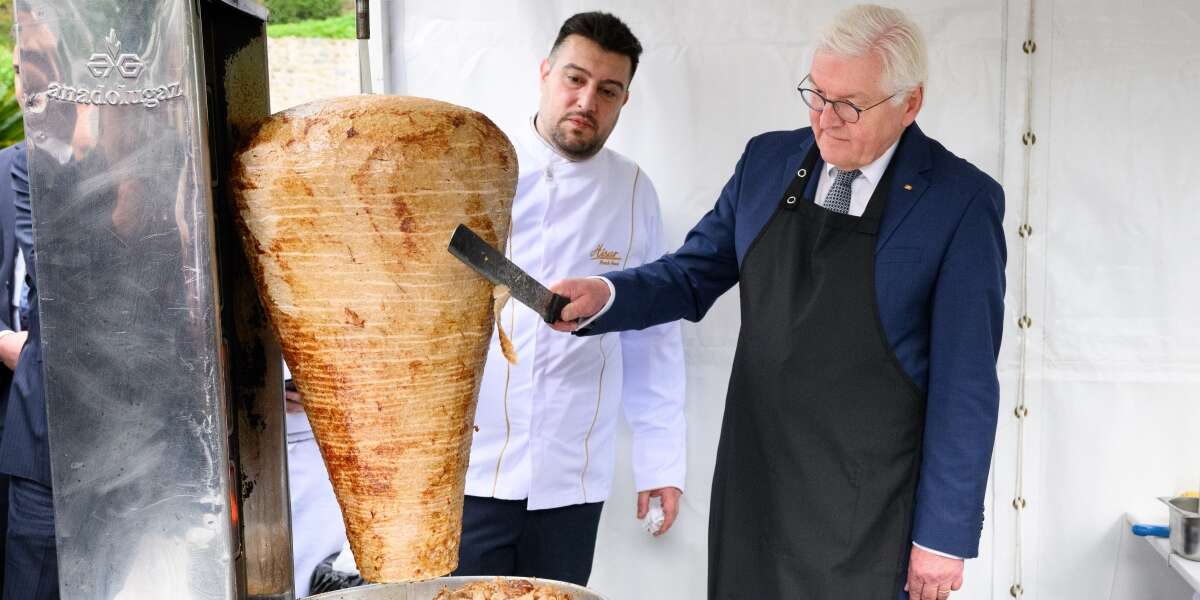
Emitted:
<point x="1113" y="356"/>
<point x="1114" y="394"/>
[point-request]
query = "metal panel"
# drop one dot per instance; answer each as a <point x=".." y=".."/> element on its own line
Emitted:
<point x="140" y="428"/>
<point x="235" y="52"/>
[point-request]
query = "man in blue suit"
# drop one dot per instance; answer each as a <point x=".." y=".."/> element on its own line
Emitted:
<point x="12" y="338"/>
<point x="12" y="276"/>
<point x="862" y="405"/>
<point x="31" y="562"/>
<point x="30" y="558"/>
<point x="12" y="270"/>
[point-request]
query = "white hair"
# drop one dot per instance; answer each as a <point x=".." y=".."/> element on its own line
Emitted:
<point x="888" y="32"/>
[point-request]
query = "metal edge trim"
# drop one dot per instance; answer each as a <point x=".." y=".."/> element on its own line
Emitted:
<point x="249" y="7"/>
<point x="203" y="168"/>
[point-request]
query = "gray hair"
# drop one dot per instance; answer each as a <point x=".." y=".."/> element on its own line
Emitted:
<point x="865" y="28"/>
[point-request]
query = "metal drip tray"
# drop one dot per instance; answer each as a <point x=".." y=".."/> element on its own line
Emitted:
<point x="1185" y="526"/>
<point x="426" y="590"/>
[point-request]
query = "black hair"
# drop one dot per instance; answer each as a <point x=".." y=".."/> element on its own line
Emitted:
<point x="607" y="31"/>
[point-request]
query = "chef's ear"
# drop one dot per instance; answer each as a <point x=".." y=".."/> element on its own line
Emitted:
<point x="544" y="69"/>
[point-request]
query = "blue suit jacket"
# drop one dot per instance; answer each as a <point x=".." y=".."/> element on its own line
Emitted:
<point x="24" y="449"/>
<point x="8" y="256"/>
<point x="939" y="280"/>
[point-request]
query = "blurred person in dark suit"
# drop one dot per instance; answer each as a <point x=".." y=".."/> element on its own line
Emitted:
<point x="30" y="559"/>
<point x="12" y="334"/>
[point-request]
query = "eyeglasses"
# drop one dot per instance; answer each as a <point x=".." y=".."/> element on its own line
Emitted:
<point x="845" y="110"/>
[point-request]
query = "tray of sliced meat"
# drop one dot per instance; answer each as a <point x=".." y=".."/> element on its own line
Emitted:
<point x="467" y="588"/>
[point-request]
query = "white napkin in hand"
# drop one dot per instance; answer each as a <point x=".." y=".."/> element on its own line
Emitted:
<point x="654" y="516"/>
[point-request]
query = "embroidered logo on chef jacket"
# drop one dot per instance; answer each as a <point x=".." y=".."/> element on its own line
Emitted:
<point x="606" y="257"/>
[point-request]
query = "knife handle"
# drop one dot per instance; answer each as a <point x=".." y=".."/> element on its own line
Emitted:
<point x="1151" y="530"/>
<point x="557" y="303"/>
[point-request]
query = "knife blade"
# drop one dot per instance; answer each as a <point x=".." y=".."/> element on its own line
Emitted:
<point x="489" y="262"/>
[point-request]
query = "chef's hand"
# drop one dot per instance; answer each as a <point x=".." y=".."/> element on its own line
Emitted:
<point x="10" y="348"/>
<point x="670" y="502"/>
<point x="587" y="297"/>
<point x="933" y="577"/>
<point x="293" y="401"/>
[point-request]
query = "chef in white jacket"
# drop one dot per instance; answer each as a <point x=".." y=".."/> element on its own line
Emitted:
<point x="543" y="451"/>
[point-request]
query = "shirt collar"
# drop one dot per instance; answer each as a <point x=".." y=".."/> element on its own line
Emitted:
<point x="872" y="172"/>
<point x="543" y="149"/>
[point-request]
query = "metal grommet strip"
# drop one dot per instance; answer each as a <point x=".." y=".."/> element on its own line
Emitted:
<point x="791" y="199"/>
<point x="802" y="173"/>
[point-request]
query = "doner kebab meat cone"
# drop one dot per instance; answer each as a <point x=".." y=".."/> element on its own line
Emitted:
<point x="346" y="206"/>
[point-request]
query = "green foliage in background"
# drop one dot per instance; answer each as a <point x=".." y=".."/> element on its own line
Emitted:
<point x="291" y="11"/>
<point x="340" y="28"/>
<point x="6" y="21"/>
<point x="6" y="70"/>
<point x="12" y="127"/>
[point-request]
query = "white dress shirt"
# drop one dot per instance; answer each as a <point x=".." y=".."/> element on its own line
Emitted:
<point x="546" y="427"/>
<point x="19" y="289"/>
<point x="862" y="187"/>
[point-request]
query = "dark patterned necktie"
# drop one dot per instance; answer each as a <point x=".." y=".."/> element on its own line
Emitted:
<point x="838" y="198"/>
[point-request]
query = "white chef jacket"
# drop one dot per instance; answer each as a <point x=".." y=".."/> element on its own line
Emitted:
<point x="545" y="427"/>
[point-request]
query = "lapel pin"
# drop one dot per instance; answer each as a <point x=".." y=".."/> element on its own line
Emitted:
<point x="908" y="187"/>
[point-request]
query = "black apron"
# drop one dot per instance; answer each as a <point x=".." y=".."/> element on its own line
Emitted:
<point x="820" y="446"/>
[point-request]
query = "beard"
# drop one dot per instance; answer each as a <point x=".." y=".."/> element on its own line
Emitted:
<point x="577" y="147"/>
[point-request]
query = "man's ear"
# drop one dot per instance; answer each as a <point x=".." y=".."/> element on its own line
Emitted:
<point x="544" y="69"/>
<point x="912" y="105"/>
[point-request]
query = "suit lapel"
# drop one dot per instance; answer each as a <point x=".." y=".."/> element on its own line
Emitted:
<point x="912" y="164"/>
